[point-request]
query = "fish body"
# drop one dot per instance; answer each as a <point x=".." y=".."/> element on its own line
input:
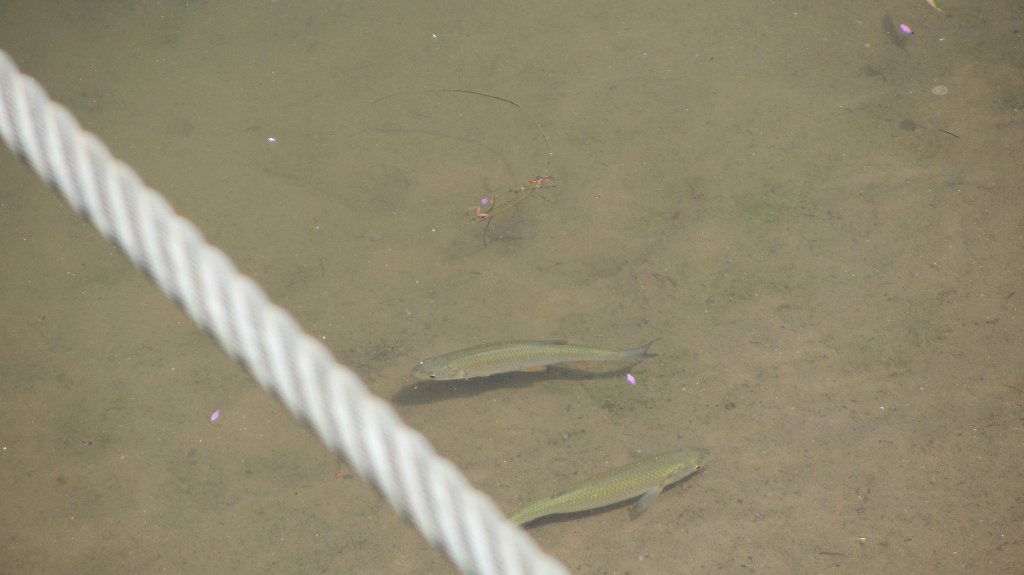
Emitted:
<point x="646" y="478"/>
<point x="503" y="357"/>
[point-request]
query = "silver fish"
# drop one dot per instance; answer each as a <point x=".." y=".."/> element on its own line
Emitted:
<point x="503" y="357"/>
<point x="647" y="477"/>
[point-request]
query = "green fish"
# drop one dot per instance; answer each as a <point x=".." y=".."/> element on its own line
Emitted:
<point x="646" y="477"/>
<point x="494" y="358"/>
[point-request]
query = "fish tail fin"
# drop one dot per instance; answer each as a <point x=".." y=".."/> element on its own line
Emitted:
<point x="640" y="353"/>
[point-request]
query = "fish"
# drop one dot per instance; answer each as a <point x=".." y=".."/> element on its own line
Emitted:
<point x="645" y="478"/>
<point x="503" y="357"/>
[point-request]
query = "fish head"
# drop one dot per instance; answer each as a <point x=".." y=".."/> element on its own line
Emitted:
<point x="428" y="370"/>
<point x="688" y="461"/>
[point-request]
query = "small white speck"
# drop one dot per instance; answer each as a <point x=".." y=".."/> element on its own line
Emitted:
<point x="271" y="140"/>
<point x="940" y="90"/>
<point x="434" y="36"/>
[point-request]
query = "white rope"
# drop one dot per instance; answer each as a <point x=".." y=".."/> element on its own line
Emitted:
<point x="296" y="367"/>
